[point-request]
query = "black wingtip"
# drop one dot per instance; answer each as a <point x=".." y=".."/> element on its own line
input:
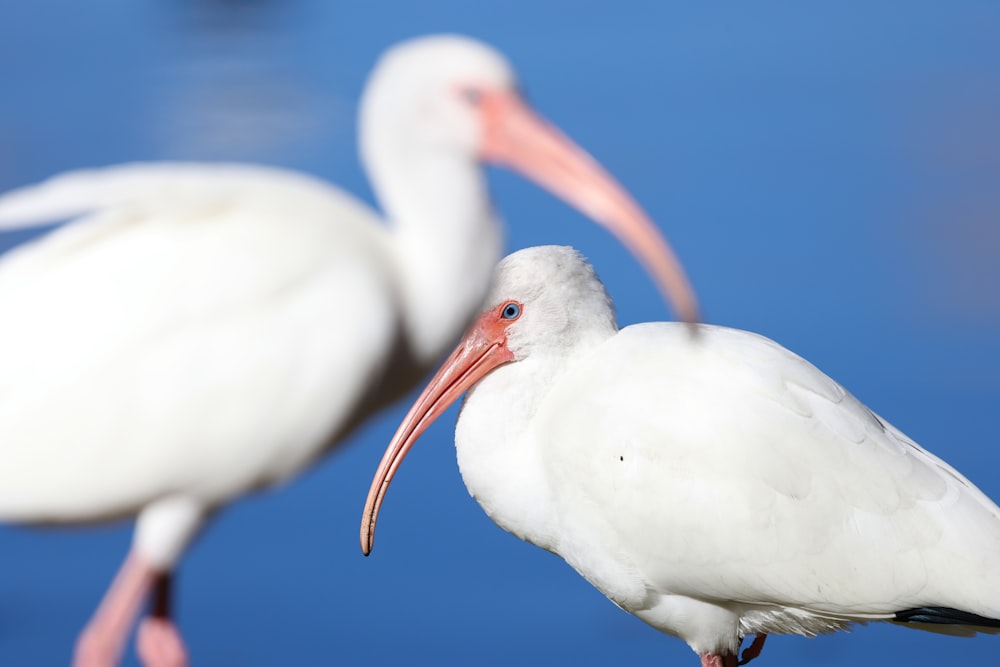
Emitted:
<point x="945" y="616"/>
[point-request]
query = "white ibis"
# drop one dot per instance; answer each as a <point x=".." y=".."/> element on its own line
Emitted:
<point x="205" y="330"/>
<point x="715" y="485"/>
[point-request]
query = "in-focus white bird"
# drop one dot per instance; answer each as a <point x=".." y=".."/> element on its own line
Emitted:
<point x="205" y="330"/>
<point x="715" y="485"/>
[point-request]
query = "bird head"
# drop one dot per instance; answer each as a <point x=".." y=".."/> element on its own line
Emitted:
<point x="451" y="100"/>
<point x="546" y="299"/>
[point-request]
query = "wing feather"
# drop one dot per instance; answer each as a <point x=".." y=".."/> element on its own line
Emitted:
<point x="727" y="468"/>
<point x="193" y="310"/>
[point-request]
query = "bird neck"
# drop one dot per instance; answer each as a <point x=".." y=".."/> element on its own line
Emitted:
<point x="446" y="241"/>
<point x="498" y="455"/>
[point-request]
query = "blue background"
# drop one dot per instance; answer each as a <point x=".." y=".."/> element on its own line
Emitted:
<point x="829" y="174"/>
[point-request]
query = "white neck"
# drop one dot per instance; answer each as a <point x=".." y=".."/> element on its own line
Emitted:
<point x="445" y="240"/>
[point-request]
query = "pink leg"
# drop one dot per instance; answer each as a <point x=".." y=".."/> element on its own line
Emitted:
<point x="752" y="651"/>
<point x="159" y="643"/>
<point x="102" y="641"/>
<point x="731" y="659"/>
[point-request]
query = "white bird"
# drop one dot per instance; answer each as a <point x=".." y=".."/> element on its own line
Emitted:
<point x="715" y="485"/>
<point x="202" y="331"/>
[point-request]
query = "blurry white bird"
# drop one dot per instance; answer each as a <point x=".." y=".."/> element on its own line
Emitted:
<point x="715" y="485"/>
<point x="202" y="331"/>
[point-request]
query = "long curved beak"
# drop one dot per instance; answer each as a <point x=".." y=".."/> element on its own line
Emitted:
<point x="483" y="349"/>
<point x="517" y="137"/>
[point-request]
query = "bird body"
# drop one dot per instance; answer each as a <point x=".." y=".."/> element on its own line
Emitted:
<point x="712" y="483"/>
<point x="199" y="331"/>
<point x="114" y="333"/>
<point x="817" y="514"/>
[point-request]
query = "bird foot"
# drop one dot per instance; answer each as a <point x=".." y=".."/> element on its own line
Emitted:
<point x="159" y="644"/>
<point x="718" y="660"/>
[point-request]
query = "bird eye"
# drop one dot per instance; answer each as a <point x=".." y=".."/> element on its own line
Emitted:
<point x="471" y="95"/>
<point x="511" y="311"/>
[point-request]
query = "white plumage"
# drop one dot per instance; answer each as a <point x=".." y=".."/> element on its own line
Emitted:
<point x="199" y="331"/>
<point x="715" y="485"/>
<point x="200" y="319"/>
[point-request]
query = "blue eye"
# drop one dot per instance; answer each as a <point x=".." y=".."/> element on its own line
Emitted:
<point x="511" y="311"/>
